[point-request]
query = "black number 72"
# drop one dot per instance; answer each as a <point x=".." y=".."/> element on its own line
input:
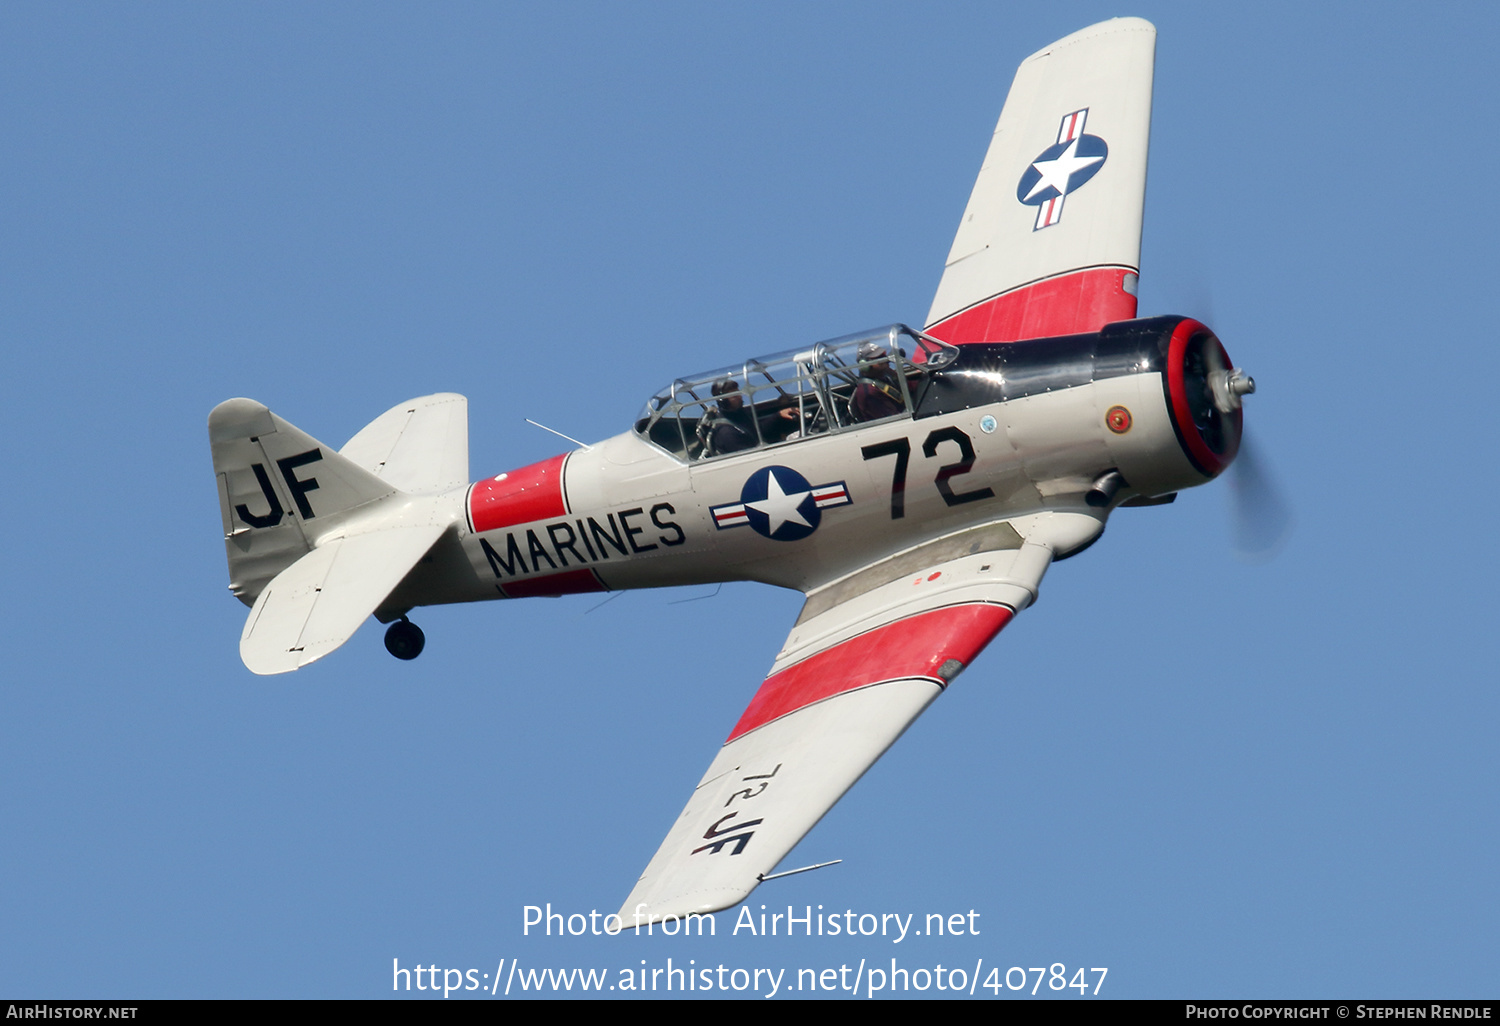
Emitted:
<point x="901" y="449"/>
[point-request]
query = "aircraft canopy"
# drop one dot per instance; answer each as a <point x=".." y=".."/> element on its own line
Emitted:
<point x="785" y="397"/>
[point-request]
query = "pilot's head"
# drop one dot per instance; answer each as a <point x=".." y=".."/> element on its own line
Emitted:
<point x="728" y="391"/>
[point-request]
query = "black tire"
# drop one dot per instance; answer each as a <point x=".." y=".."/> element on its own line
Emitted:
<point x="404" y="639"/>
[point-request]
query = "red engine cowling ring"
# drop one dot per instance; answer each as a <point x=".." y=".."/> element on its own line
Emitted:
<point x="1210" y="437"/>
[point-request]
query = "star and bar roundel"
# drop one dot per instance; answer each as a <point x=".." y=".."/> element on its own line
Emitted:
<point x="777" y="502"/>
<point x="1061" y="168"/>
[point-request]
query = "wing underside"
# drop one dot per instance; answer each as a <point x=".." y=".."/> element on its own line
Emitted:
<point x="852" y="677"/>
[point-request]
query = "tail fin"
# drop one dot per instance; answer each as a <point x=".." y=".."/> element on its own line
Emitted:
<point x="278" y="489"/>
<point x="313" y="546"/>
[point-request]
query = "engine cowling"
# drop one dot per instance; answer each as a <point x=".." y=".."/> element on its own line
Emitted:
<point x="1203" y="394"/>
<point x="1158" y="398"/>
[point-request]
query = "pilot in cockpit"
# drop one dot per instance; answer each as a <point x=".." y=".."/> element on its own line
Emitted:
<point x="878" y="394"/>
<point x="727" y="428"/>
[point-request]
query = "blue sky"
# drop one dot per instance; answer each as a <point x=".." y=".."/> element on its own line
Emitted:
<point x="1215" y="779"/>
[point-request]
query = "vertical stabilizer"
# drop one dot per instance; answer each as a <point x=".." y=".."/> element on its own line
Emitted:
<point x="279" y="491"/>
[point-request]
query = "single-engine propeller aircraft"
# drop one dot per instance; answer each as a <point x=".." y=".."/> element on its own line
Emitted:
<point x="915" y="485"/>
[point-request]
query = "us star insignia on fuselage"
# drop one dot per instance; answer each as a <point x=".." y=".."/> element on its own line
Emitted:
<point x="777" y="502"/>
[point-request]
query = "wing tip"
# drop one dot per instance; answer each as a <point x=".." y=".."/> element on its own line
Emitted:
<point x="1102" y="28"/>
<point x="264" y="661"/>
<point x="641" y="914"/>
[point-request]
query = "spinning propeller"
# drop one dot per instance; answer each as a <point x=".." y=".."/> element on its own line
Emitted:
<point x="1261" y="516"/>
<point x="1261" y="519"/>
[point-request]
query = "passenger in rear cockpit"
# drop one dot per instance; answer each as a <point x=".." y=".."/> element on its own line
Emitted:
<point x="878" y="395"/>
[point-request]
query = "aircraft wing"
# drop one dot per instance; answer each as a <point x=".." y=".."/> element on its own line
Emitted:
<point x="1050" y="241"/>
<point x="866" y="656"/>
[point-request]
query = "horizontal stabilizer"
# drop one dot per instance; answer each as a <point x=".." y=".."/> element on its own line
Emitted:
<point x="420" y="446"/>
<point x="316" y="604"/>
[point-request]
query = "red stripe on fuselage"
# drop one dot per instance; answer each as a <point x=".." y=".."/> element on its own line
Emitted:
<point x="915" y="647"/>
<point x="519" y="497"/>
<point x="1067" y="304"/>
<point x="569" y="582"/>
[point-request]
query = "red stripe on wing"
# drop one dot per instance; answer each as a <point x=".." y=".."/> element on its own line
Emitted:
<point x="914" y="647"/>
<point x="519" y="497"/>
<point x="1067" y="304"/>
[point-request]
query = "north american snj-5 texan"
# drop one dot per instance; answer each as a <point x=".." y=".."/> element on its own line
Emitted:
<point x="915" y="485"/>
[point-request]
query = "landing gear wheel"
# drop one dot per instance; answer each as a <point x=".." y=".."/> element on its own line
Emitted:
<point x="404" y="639"/>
